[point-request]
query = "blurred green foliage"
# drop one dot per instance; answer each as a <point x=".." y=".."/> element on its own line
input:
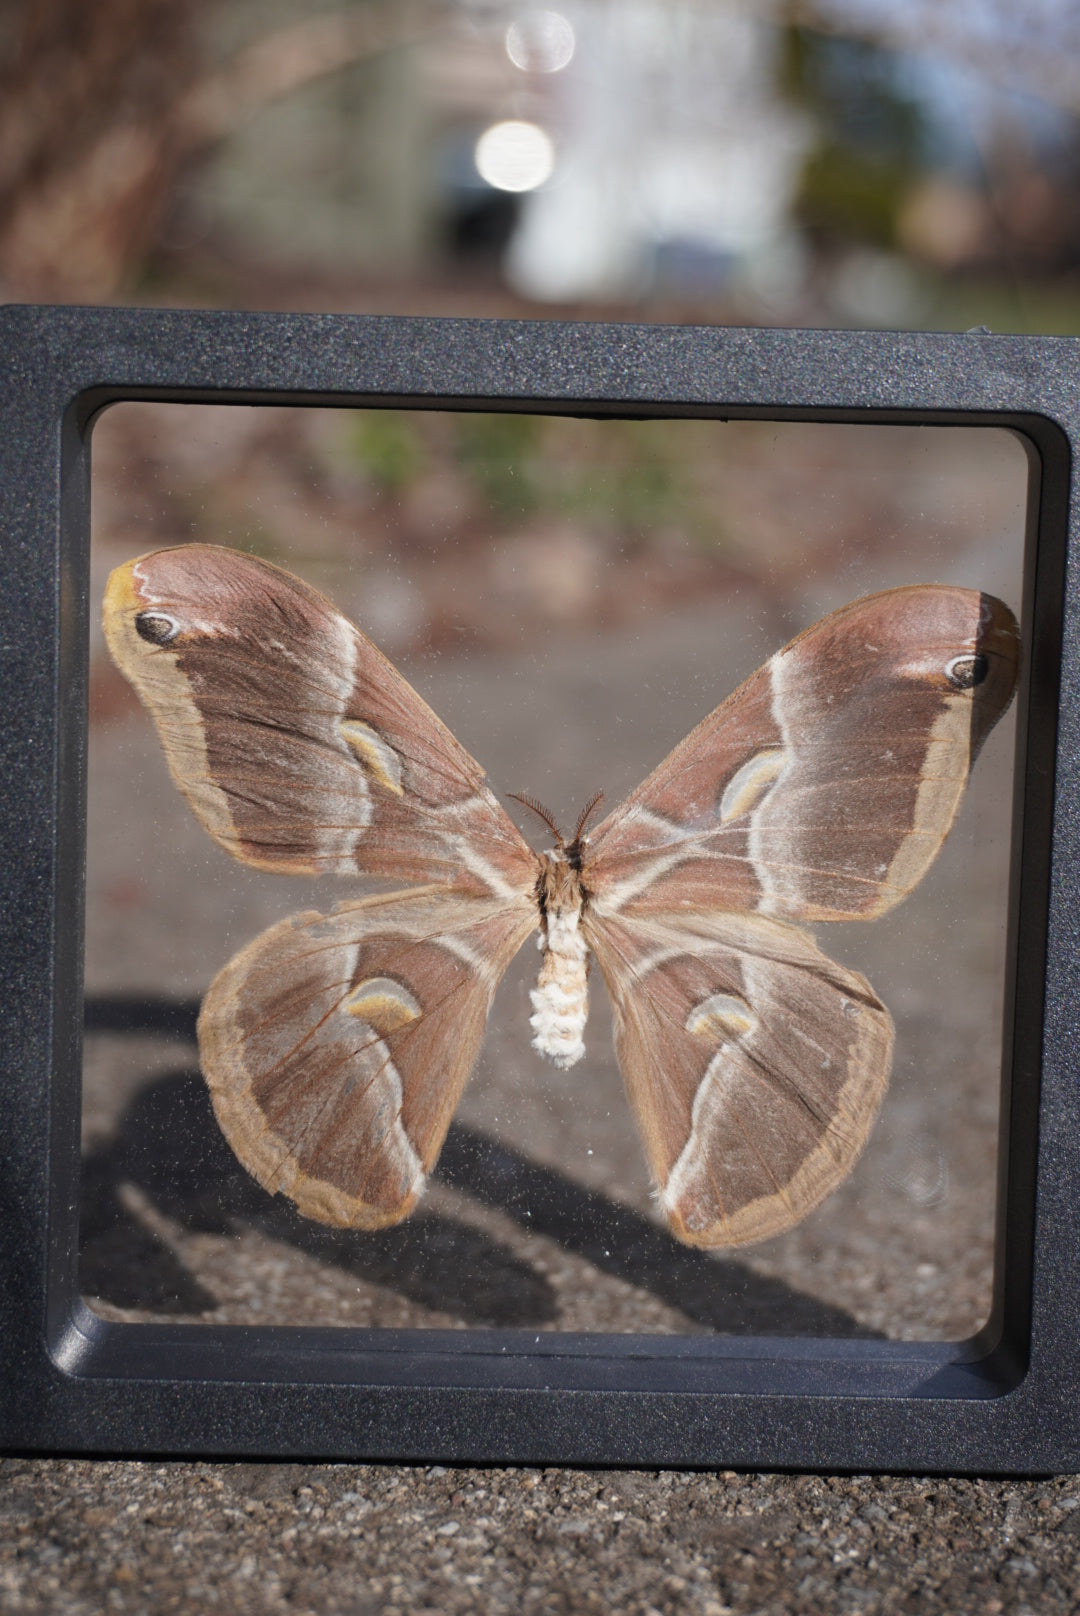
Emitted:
<point x="846" y="195"/>
<point x="874" y="141"/>
<point x="498" y="454"/>
<point x="631" y="475"/>
<point x="389" y="448"/>
<point x="633" y="478"/>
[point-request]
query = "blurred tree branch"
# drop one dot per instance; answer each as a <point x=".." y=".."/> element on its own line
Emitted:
<point x="103" y="108"/>
<point x="87" y="143"/>
<point x="292" y="57"/>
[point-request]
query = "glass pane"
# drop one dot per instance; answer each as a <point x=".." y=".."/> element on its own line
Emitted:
<point x="571" y="597"/>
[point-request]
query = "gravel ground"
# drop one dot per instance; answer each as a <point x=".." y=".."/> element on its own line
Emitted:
<point x="353" y="1540"/>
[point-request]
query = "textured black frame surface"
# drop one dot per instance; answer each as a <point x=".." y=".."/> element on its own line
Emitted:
<point x="1008" y="1401"/>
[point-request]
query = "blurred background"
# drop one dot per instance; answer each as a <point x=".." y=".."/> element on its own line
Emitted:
<point x="836" y="162"/>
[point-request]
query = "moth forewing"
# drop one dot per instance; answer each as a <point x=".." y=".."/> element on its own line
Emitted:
<point x="883" y="707"/>
<point x="825" y="786"/>
<point x="297" y="744"/>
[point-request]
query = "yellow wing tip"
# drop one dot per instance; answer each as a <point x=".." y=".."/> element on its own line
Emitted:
<point x="120" y="591"/>
<point x="121" y="600"/>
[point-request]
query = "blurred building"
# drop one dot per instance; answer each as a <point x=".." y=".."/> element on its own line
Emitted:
<point x="676" y="158"/>
<point x="673" y="157"/>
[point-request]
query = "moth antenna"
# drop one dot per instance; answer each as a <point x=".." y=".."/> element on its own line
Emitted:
<point x="583" y="817"/>
<point x="541" y="812"/>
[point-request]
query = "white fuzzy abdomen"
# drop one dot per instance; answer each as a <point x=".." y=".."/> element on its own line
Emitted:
<point x="560" y="998"/>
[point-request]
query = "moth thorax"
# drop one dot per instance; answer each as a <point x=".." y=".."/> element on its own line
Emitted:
<point x="560" y="998"/>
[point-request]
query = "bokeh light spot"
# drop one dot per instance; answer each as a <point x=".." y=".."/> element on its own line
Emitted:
<point x="540" y="42"/>
<point x="515" y="156"/>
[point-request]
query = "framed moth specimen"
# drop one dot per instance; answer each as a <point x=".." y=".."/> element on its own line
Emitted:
<point x="421" y="1240"/>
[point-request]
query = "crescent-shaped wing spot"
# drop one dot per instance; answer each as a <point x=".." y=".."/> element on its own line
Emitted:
<point x="376" y="754"/>
<point x="383" y="1003"/>
<point x="749" y="784"/>
<point x="721" y="1016"/>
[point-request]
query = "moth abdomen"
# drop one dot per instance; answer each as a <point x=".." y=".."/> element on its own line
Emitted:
<point x="560" y="999"/>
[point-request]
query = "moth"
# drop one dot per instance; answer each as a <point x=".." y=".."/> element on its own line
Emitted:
<point x="336" y="1046"/>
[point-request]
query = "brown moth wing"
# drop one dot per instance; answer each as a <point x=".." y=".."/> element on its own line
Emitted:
<point x="755" y="1067"/>
<point x="296" y="742"/>
<point x="336" y="1046"/>
<point x="824" y="787"/>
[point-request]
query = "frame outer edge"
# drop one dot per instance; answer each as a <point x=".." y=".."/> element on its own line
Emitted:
<point x="59" y="367"/>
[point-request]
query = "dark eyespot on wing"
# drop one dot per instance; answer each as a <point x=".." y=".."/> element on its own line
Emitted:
<point x="156" y="628"/>
<point x="967" y="671"/>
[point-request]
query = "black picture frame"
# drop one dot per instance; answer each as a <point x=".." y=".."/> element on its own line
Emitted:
<point x="1006" y="1402"/>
